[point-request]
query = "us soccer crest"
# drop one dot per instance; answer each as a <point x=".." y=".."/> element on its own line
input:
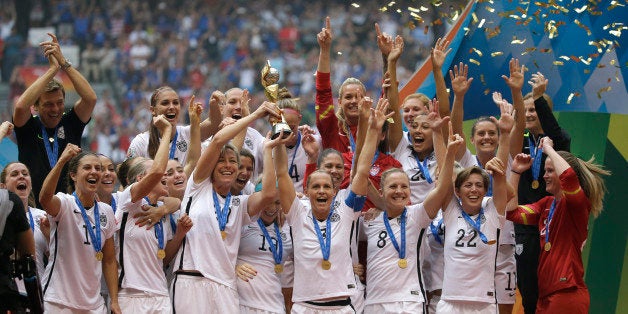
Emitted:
<point x="182" y="145"/>
<point x="103" y="220"/>
<point x="374" y="170"/>
<point x="61" y="133"/>
<point x="335" y="217"/>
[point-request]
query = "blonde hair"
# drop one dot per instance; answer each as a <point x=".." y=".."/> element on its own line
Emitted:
<point x="546" y="96"/>
<point x="590" y="178"/>
<point x="421" y="97"/>
<point x="285" y="100"/>
<point x="340" y="113"/>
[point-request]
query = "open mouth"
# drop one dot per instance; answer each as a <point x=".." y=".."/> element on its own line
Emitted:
<point x="107" y="181"/>
<point x="21" y="186"/>
<point x="418" y="140"/>
<point x="92" y="181"/>
<point x="178" y="182"/>
<point x="321" y="201"/>
<point x="236" y="116"/>
<point x="170" y="116"/>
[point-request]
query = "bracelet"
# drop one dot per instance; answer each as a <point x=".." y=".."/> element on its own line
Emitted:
<point x="519" y="173"/>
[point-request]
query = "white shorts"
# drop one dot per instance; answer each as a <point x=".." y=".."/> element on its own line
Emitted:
<point x="57" y="308"/>
<point x="141" y="302"/>
<point x="465" y="307"/>
<point x="251" y="310"/>
<point x="506" y="274"/>
<point x="357" y="298"/>
<point x="394" y="307"/>
<point x="193" y="294"/>
<point x="304" y="308"/>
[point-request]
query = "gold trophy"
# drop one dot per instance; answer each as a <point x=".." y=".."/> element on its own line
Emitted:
<point x="270" y="77"/>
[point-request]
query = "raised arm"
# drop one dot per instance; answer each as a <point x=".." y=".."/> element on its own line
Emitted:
<point x="515" y="82"/>
<point x="50" y="202"/>
<point x="287" y="193"/>
<point x="437" y="125"/>
<point x="21" y="109"/>
<point x="438" y="55"/>
<point x="211" y="154"/>
<point x="154" y="174"/>
<point x="395" y="129"/>
<point x="365" y="106"/>
<point x="363" y="164"/>
<point x="238" y="140"/>
<point x="560" y="164"/>
<point x="442" y="193"/>
<point x="85" y="105"/>
<point x="324" y="42"/>
<point x="211" y="125"/>
<point x="520" y="164"/>
<point x="194" y="110"/>
<point x="460" y="84"/>
<point x="5" y="129"/>
<point x="257" y="200"/>
<point x="497" y="169"/>
<point x="549" y="124"/>
<point x="384" y="42"/>
<point x="505" y="125"/>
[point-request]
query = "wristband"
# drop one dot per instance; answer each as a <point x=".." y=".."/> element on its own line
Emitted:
<point x="519" y="173"/>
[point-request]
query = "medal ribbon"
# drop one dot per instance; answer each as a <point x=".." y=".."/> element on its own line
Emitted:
<point x="113" y="204"/>
<point x="94" y="236"/>
<point x="52" y="149"/>
<point x="435" y="228"/>
<point x="325" y="244"/>
<point x="350" y="136"/>
<point x="30" y="219"/>
<point x="159" y="229"/>
<point x="423" y="167"/>
<point x="221" y="214"/>
<point x="401" y="250"/>
<point x="296" y="147"/>
<point x="173" y="224"/>
<point x="173" y="145"/>
<point x="536" y="153"/>
<point x="477" y="224"/>
<point x="549" y="220"/>
<point x="276" y="250"/>
<point x="489" y="190"/>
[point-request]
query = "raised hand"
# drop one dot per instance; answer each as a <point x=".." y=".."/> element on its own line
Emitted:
<point x="5" y="129"/>
<point x="384" y="41"/>
<point x="195" y="109"/>
<point x="495" y="167"/>
<point x="515" y="81"/>
<point x="310" y="146"/>
<point x="434" y="118"/>
<point x="459" y="81"/>
<point x="379" y="114"/>
<point x="440" y="52"/>
<point x="244" y="102"/>
<point x="365" y="105"/>
<point x="539" y="84"/>
<point x="325" y="36"/>
<point x="521" y="163"/>
<point x="507" y="117"/>
<point x="454" y="141"/>
<point x="279" y="140"/>
<point x="267" y="108"/>
<point x="217" y="97"/>
<point x="69" y="152"/>
<point x="161" y="123"/>
<point x="396" y="49"/>
<point x="52" y="49"/>
<point x="547" y="144"/>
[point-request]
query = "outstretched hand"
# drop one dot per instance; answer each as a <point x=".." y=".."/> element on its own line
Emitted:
<point x="539" y="84"/>
<point x="521" y="163"/>
<point x="384" y="41"/>
<point x="460" y="83"/>
<point x="434" y="118"/>
<point x="195" y="110"/>
<point x="440" y="52"/>
<point x="325" y="36"/>
<point x="515" y="81"/>
<point x="379" y="114"/>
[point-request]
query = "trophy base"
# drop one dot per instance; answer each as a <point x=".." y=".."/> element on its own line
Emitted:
<point x="278" y="127"/>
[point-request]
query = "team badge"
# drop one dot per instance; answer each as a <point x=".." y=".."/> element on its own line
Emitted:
<point x="248" y="142"/>
<point x="518" y="249"/>
<point x="235" y="201"/>
<point x="335" y="205"/>
<point x="182" y="146"/>
<point x="284" y="237"/>
<point x="483" y="219"/>
<point x="61" y="133"/>
<point x="103" y="220"/>
<point x="334" y="217"/>
<point x="374" y="170"/>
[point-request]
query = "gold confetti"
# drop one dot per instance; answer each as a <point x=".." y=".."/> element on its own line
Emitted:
<point x="545" y="50"/>
<point x="581" y="9"/>
<point x="586" y="61"/>
<point x="411" y="9"/>
<point x="355" y="5"/>
<point x="497" y="53"/>
<point x="340" y="53"/>
<point x="477" y="51"/>
<point x="583" y="26"/>
<point x="536" y="64"/>
<point x="528" y="50"/>
<point x="398" y="10"/>
<point x="517" y="41"/>
<point x="383" y="9"/>
<point x="481" y="23"/>
<point x="492" y="32"/>
<point x="564" y="58"/>
<point x="570" y="98"/>
<point x="391" y="3"/>
<point x="476" y="62"/>
<point x="603" y="90"/>
<point x="490" y="9"/>
<point x="423" y="8"/>
<point x="475" y="17"/>
<point x="482" y="79"/>
<point x="487" y="91"/>
<point x="586" y="71"/>
<point x="558" y="63"/>
<point x="437" y="3"/>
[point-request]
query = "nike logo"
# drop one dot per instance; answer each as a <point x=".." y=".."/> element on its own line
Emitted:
<point x="511" y="294"/>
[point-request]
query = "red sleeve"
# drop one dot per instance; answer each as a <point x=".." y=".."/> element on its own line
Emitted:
<point x="347" y="158"/>
<point x="309" y="168"/>
<point x="528" y="214"/>
<point x="578" y="204"/>
<point x="326" y="120"/>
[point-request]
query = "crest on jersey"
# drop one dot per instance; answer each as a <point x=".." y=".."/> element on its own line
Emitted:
<point x="235" y="201"/>
<point x="284" y="237"/>
<point x="518" y="249"/>
<point x="103" y="220"/>
<point x="374" y="170"/>
<point x="182" y="145"/>
<point x="335" y="205"/>
<point x="61" y="133"/>
<point x="483" y="220"/>
<point x="248" y="142"/>
<point x="335" y="217"/>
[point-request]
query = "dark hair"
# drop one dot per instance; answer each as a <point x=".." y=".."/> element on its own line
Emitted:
<point x="3" y="180"/>
<point x="52" y="86"/>
<point x="247" y="153"/>
<point x="73" y="167"/>
<point x="326" y="152"/>
<point x="153" y="133"/>
<point x="467" y="172"/>
<point x="123" y="170"/>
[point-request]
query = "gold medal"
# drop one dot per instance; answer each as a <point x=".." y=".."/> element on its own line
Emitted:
<point x="278" y="268"/>
<point x="161" y="254"/>
<point x="491" y="242"/>
<point x="223" y="234"/>
<point x="99" y="256"/>
<point x="547" y="246"/>
<point x="326" y="265"/>
<point x="535" y="184"/>
<point x="402" y="262"/>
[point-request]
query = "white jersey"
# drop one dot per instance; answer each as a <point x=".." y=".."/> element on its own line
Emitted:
<point x="287" y="276"/>
<point x="263" y="292"/>
<point x="387" y="282"/>
<point x="140" y="267"/>
<point x="339" y="280"/>
<point x="469" y="262"/>
<point x="433" y="259"/>
<point x="419" y="187"/>
<point x="254" y="142"/>
<point x="72" y="266"/>
<point x="139" y="144"/>
<point x="41" y="243"/>
<point x="205" y="250"/>
<point x="297" y="159"/>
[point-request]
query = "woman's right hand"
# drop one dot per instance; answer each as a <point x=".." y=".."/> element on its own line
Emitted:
<point x="521" y="163"/>
<point x="161" y="123"/>
<point x="69" y="152"/>
<point x="245" y="272"/>
<point x="268" y="108"/>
